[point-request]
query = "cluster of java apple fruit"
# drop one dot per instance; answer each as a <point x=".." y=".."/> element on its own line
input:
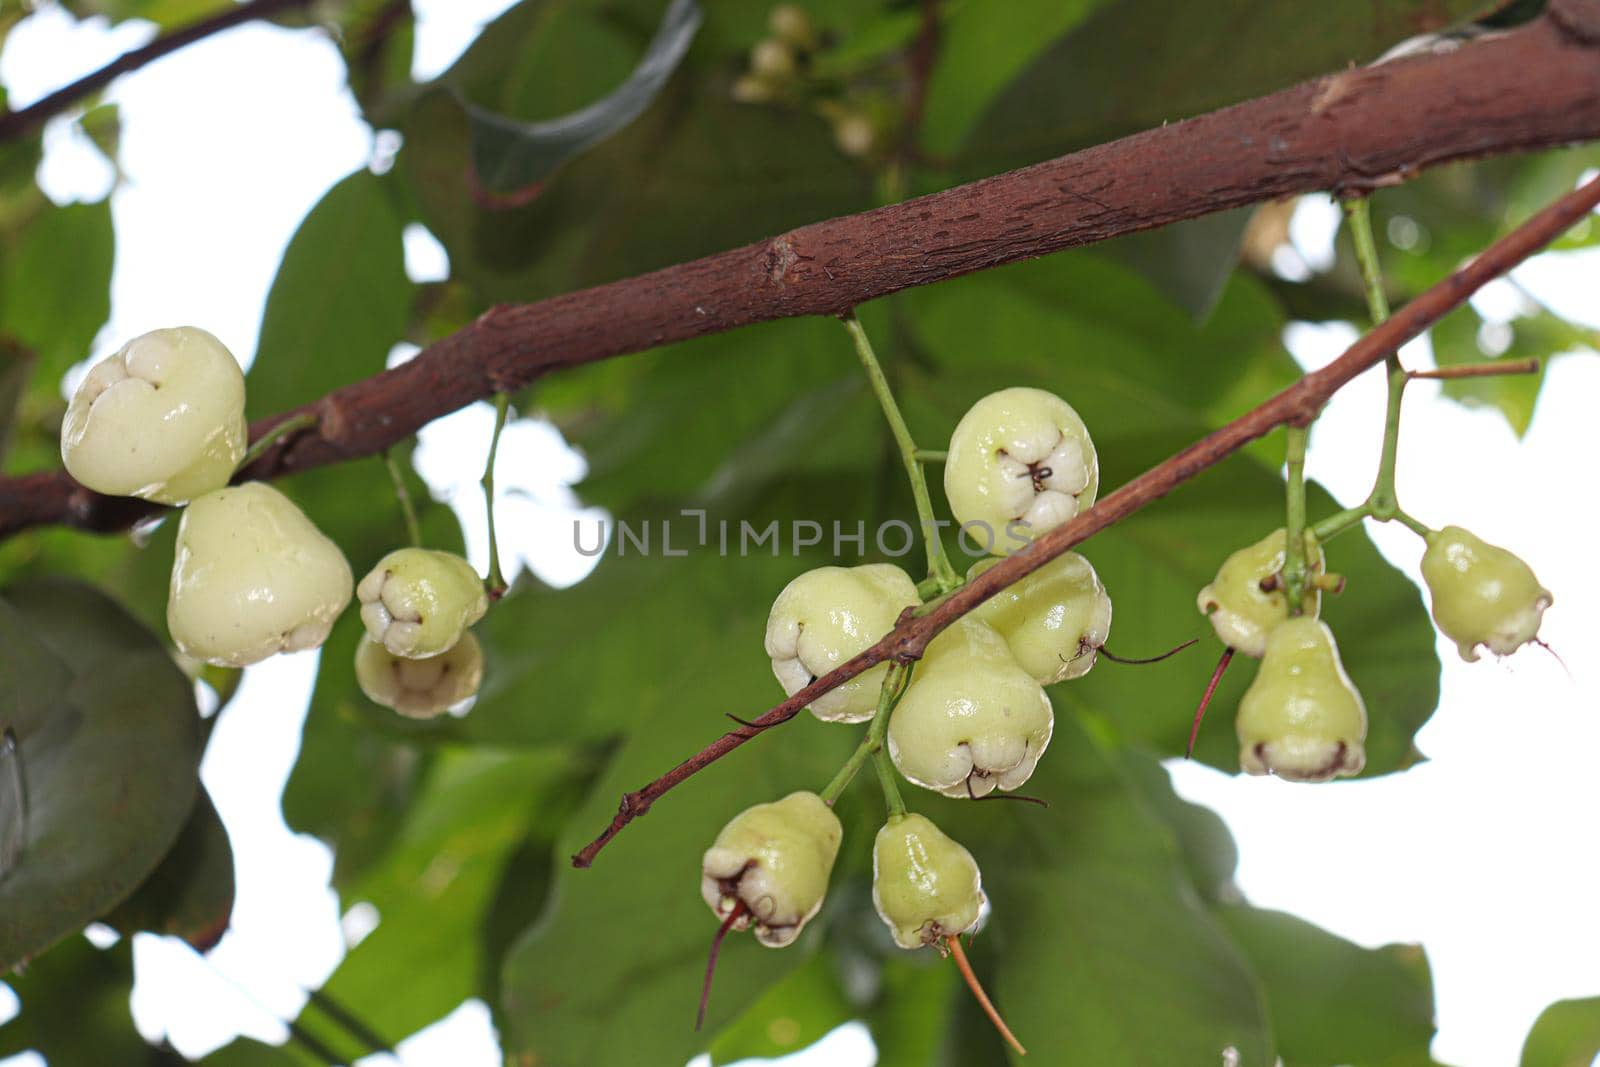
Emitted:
<point x="163" y="419"/>
<point x="974" y="717"/>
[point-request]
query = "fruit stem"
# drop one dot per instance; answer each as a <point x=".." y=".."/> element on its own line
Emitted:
<point x="983" y="998"/>
<point x="292" y="425"/>
<point x="1381" y="503"/>
<point x="1480" y="370"/>
<point x="496" y="582"/>
<point x="894" y="686"/>
<point x="1339" y="522"/>
<point x="1294" y="547"/>
<point x="938" y="566"/>
<point x="739" y="908"/>
<point x="1205" y="700"/>
<point x="402" y="494"/>
<point x="929" y="455"/>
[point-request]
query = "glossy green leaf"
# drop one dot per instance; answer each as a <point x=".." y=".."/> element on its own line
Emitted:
<point x="1459" y="338"/>
<point x="1333" y="1002"/>
<point x="340" y="300"/>
<point x="190" y="895"/>
<point x="1206" y="844"/>
<point x="509" y="154"/>
<point x="1566" y="1034"/>
<point x="107" y="743"/>
<point x="792" y="1014"/>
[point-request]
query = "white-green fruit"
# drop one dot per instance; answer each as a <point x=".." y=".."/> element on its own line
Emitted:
<point x="419" y="688"/>
<point x="1055" y="620"/>
<point x="791" y="24"/>
<point x="162" y="418"/>
<point x="773" y="60"/>
<point x="251" y="577"/>
<point x="418" y="602"/>
<point x="1483" y="596"/>
<point x="925" y="885"/>
<point x="1241" y="612"/>
<point x="776" y="858"/>
<point x="828" y="616"/>
<point x="1021" y="462"/>
<point x="972" y="720"/>
<point x="1302" y="718"/>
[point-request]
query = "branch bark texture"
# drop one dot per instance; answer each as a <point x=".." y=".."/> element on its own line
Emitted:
<point x="1349" y="132"/>
<point x="1296" y="405"/>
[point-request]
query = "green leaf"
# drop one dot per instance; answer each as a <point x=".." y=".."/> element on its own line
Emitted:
<point x="55" y="293"/>
<point x="1541" y="335"/>
<point x="1333" y="1002"/>
<point x="1566" y="1034"/>
<point x="340" y="300"/>
<point x="1101" y="951"/>
<point x="75" y="1009"/>
<point x="437" y="883"/>
<point x="509" y="154"/>
<point x="1207" y="846"/>
<point x="190" y="895"/>
<point x="791" y="1015"/>
<point x="16" y="367"/>
<point x="108" y="745"/>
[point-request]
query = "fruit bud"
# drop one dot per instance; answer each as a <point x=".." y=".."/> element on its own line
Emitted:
<point x="1482" y="594"/>
<point x="1241" y="610"/>
<point x="925" y="885"/>
<point x="775" y="859"/>
<point x="1301" y="718"/>
<point x="419" y="688"/>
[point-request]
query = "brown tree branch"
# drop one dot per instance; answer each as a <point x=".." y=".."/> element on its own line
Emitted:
<point x="14" y="124"/>
<point x="1357" y="130"/>
<point x="1297" y="405"/>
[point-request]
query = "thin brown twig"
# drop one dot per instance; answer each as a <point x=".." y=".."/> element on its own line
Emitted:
<point x="14" y="124"/>
<point x="1534" y="87"/>
<point x="1295" y="405"/>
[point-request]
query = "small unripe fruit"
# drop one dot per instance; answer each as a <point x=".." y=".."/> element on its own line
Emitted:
<point x="1054" y="621"/>
<point x="252" y="576"/>
<point x="1301" y="718"/>
<point x="1241" y="611"/>
<point x="418" y="602"/>
<point x="925" y="885"/>
<point x="776" y="858"/>
<point x="830" y="615"/>
<point x="162" y="418"/>
<point x="419" y="688"/>
<point x="1021" y="462"/>
<point x="749" y="89"/>
<point x="790" y="23"/>
<point x="972" y="720"/>
<point x="1482" y="594"/>
<point x="773" y="61"/>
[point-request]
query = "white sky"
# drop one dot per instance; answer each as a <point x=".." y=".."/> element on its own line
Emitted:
<point x="1479" y="854"/>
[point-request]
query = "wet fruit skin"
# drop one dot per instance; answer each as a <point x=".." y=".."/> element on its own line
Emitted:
<point x="252" y="576"/>
<point x="1054" y="621"/>
<point x="161" y="419"/>
<point x="1240" y="610"/>
<point x="777" y="859"/>
<point x="972" y="720"/>
<point x="1483" y="596"/>
<point x="925" y="885"/>
<point x="827" y="616"/>
<point x="1302" y="718"/>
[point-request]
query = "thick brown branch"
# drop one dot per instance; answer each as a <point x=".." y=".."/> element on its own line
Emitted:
<point x="1297" y="404"/>
<point x="1352" y="131"/>
<point x="14" y="124"/>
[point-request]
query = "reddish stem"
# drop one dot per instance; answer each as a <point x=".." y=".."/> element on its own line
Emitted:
<point x="983" y="998"/>
<point x="1211" y="689"/>
<point x="739" y="909"/>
